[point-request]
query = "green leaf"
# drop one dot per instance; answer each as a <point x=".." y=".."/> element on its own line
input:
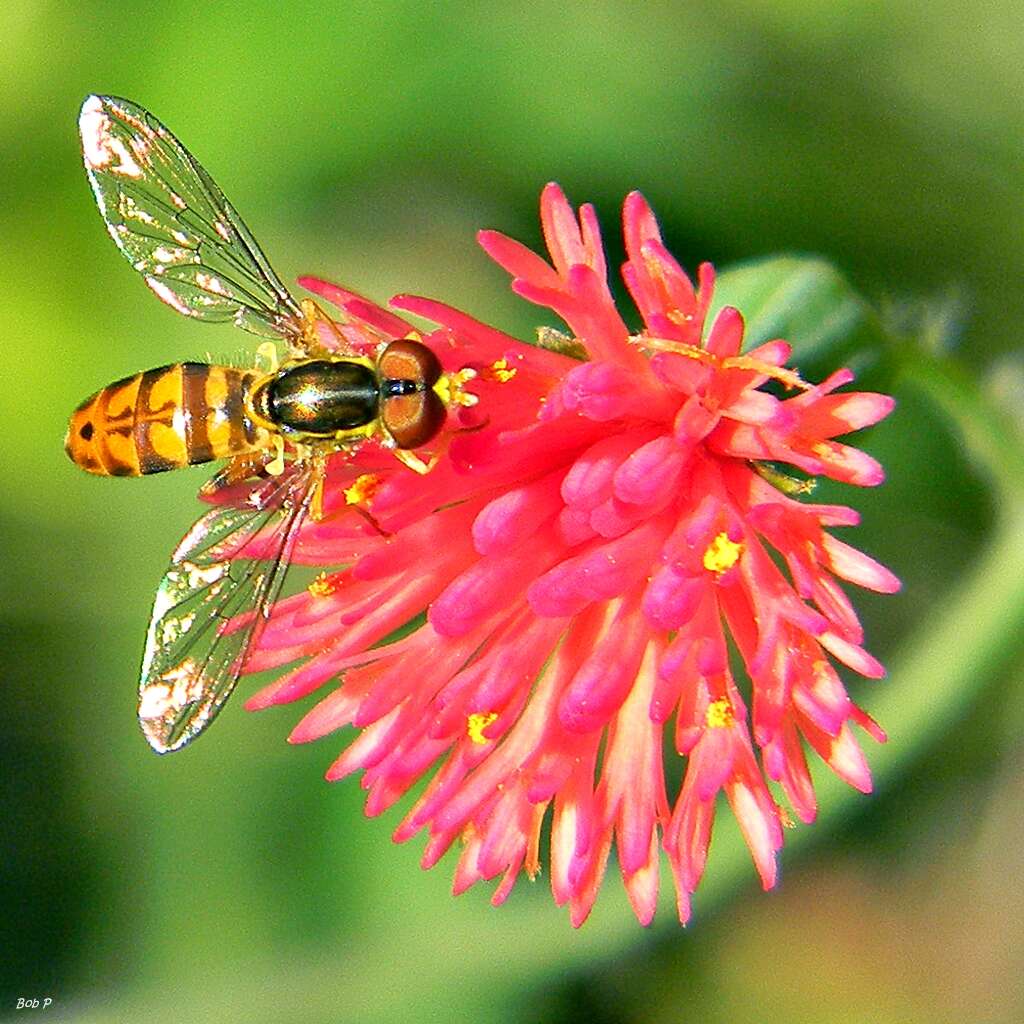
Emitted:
<point x="809" y="303"/>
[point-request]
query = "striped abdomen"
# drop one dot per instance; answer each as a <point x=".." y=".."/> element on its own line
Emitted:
<point x="162" y="419"/>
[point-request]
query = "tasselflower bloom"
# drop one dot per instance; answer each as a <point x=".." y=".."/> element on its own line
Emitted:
<point x="595" y="533"/>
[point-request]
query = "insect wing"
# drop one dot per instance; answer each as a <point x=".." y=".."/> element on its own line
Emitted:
<point x="192" y="662"/>
<point x="175" y="226"/>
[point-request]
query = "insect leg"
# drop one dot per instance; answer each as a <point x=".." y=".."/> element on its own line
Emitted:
<point x="316" y="503"/>
<point x="275" y="466"/>
<point x="413" y="461"/>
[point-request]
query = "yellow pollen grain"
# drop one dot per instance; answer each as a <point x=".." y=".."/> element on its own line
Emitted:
<point x="722" y="553"/>
<point x="821" y="670"/>
<point x="450" y="388"/>
<point x="501" y="371"/>
<point x="362" y="490"/>
<point x="476" y="723"/>
<point x="786" y="819"/>
<point x="719" y="714"/>
<point x="322" y="586"/>
<point x="677" y="316"/>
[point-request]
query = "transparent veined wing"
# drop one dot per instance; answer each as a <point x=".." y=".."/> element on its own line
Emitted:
<point x="192" y="660"/>
<point x="175" y="226"/>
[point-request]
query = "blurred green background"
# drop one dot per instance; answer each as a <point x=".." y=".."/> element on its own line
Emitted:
<point x="367" y="143"/>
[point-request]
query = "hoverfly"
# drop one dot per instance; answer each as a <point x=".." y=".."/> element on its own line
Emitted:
<point x="176" y="228"/>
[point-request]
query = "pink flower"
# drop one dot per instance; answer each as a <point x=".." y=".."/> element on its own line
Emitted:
<point x="589" y="540"/>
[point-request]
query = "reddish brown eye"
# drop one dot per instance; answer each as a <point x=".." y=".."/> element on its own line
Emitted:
<point x="409" y="360"/>
<point x="413" y="419"/>
<point x="410" y="409"/>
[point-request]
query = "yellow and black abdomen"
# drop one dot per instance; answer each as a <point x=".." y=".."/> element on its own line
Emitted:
<point x="161" y="419"/>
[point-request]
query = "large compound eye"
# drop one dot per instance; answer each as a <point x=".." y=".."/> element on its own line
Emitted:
<point x="412" y="419"/>
<point x="409" y="360"/>
<point x="410" y="409"/>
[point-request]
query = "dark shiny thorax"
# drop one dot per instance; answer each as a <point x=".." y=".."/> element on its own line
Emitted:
<point x="321" y="397"/>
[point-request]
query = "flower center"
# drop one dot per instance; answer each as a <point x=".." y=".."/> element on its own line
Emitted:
<point x="722" y="553"/>
<point x="362" y="489"/>
<point x="500" y="371"/>
<point x="476" y="723"/>
<point x="322" y="586"/>
<point x="450" y="387"/>
<point x="719" y="714"/>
